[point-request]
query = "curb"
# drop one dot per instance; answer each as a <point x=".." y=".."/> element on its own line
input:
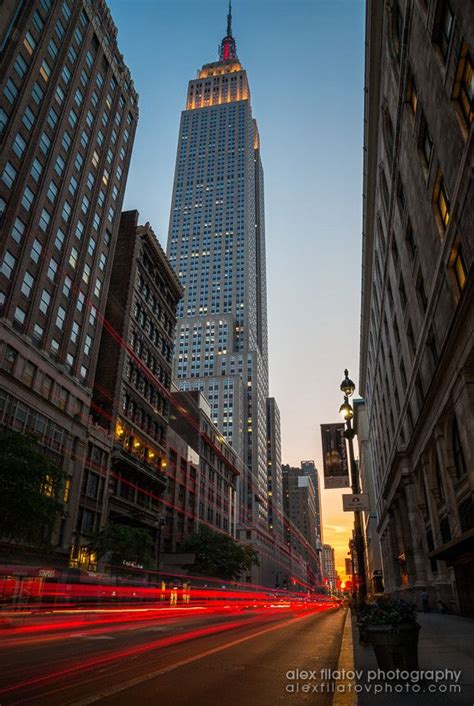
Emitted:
<point x="347" y="696"/>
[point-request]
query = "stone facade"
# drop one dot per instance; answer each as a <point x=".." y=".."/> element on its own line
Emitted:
<point x="133" y="379"/>
<point x="417" y="328"/>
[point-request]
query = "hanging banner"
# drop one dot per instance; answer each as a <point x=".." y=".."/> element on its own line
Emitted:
<point x="335" y="465"/>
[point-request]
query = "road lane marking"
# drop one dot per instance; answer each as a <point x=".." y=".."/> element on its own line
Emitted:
<point x="182" y="663"/>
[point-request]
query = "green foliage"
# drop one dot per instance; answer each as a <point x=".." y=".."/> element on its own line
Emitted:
<point x="218" y="555"/>
<point x="30" y="488"/>
<point x="124" y="543"/>
<point x="387" y="611"/>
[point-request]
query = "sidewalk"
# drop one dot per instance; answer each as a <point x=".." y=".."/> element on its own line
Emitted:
<point x="445" y="642"/>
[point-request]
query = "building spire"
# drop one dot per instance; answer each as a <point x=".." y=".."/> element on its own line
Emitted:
<point x="229" y="20"/>
<point x="228" y="50"/>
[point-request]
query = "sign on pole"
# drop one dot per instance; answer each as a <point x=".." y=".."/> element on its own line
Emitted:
<point x="335" y="465"/>
<point x="357" y="501"/>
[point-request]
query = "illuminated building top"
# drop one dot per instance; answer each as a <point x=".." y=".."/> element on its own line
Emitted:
<point x="213" y="86"/>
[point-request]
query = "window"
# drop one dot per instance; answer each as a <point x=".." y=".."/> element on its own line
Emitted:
<point x="38" y="332"/>
<point x="8" y="264"/>
<point x="28" y="198"/>
<point x="66" y="212"/>
<point x="59" y="95"/>
<point x="52" y="192"/>
<point x="91" y="247"/>
<point x="78" y="162"/>
<point x="36" y="169"/>
<point x="73" y="184"/>
<point x="60" y="317"/>
<point x="66" y="75"/>
<point x="87" y="345"/>
<point x="59" y="240"/>
<point x="53" y="50"/>
<point x="67" y="284"/>
<point x="445" y="29"/>
<point x="66" y="141"/>
<point x="38" y="21"/>
<point x="80" y="301"/>
<point x="10" y="91"/>
<point x="44" y="143"/>
<point x="73" y="257"/>
<point x="79" y="229"/>
<point x="18" y="230"/>
<point x="441" y="200"/>
<point x="44" y="220"/>
<point x="28" y="119"/>
<point x="59" y="166"/>
<point x="36" y="250"/>
<point x="458" y="267"/>
<point x="463" y="90"/>
<point x="37" y="93"/>
<point x="29" y="43"/>
<point x="84" y="139"/>
<point x="27" y="285"/>
<point x="86" y="273"/>
<point x="4" y="120"/>
<point x="45" y="71"/>
<point x="72" y="119"/>
<point x="20" y="65"/>
<point x="85" y="204"/>
<point x="75" y="331"/>
<point x="9" y="175"/>
<point x="458" y="454"/>
<point x="97" y="288"/>
<point x="52" y="269"/>
<point x="19" y="145"/>
<point x="45" y="301"/>
<point x="20" y="315"/>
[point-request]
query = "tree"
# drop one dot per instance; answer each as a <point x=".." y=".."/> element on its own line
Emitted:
<point x="30" y="488"/>
<point x="124" y="543"/>
<point x="218" y="555"/>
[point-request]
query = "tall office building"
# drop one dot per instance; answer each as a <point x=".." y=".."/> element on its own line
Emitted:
<point x="416" y="352"/>
<point x="68" y="113"/>
<point x="300" y="520"/>
<point x="216" y="244"/>
<point x="308" y="468"/>
<point x="329" y="565"/>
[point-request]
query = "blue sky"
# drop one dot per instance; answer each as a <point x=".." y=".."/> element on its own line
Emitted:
<point x="304" y="60"/>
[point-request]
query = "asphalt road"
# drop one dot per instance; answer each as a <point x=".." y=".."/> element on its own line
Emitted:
<point x="223" y="659"/>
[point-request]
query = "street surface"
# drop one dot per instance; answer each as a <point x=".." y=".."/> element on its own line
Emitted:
<point x="171" y="656"/>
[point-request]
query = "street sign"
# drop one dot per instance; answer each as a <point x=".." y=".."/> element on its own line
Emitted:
<point x="357" y="501"/>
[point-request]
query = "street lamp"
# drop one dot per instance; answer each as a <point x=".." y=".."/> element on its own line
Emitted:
<point x="347" y="387"/>
<point x="160" y="523"/>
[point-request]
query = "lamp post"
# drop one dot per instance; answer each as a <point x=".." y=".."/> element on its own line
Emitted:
<point x="347" y="388"/>
<point x="160" y="523"/>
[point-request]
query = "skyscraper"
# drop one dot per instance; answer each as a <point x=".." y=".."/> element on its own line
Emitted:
<point x="68" y="114"/>
<point x="309" y="469"/>
<point x="216" y="243"/>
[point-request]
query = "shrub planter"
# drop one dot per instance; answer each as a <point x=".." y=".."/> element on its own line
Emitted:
<point x="394" y="647"/>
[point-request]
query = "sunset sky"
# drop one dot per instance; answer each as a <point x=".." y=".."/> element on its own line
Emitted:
<point x="304" y="60"/>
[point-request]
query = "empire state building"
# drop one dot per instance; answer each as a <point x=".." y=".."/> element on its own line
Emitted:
<point x="216" y="243"/>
